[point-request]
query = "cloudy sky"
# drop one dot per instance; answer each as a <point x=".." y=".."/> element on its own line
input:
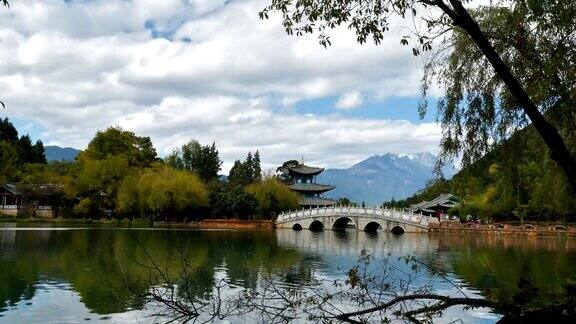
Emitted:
<point x="210" y="70"/>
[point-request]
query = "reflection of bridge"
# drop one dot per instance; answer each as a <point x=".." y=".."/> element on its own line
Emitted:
<point x="367" y="219"/>
<point x="351" y="243"/>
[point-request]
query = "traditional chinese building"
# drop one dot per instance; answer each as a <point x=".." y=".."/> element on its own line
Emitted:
<point x="37" y="200"/>
<point x="437" y="207"/>
<point x="303" y="181"/>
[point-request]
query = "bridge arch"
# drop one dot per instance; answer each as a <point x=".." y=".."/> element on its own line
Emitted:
<point x="342" y="223"/>
<point x="328" y="218"/>
<point x="297" y="227"/>
<point x="372" y="227"/>
<point x="316" y="226"/>
<point x="397" y="230"/>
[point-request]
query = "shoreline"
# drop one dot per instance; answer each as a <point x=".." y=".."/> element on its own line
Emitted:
<point x="444" y="228"/>
<point x="140" y="223"/>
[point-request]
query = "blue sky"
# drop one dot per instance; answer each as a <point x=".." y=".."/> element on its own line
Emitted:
<point x="395" y="108"/>
<point x="209" y="70"/>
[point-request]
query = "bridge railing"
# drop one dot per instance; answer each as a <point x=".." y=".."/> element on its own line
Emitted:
<point x="357" y="211"/>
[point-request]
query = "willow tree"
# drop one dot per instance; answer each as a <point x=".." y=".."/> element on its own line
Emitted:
<point x="500" y="66"/>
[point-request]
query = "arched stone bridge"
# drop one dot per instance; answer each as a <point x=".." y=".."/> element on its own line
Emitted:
<point x="367" y="219"/>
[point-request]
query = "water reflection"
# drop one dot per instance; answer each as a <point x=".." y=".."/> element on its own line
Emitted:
<point x="78" y="266"/>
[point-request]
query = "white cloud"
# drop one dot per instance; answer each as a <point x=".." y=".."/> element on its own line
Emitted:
<point x="349" y="100"/>
<point x="239" y="125"/>
<point x="224" y="75"/>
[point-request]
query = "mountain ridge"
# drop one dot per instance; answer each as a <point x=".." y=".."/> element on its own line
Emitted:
<point x="57" y="153"/>
<point x="383" y="177"/>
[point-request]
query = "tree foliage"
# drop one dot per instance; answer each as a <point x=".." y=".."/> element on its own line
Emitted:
<point x="204" y="160"/>
<point x="514" y="181"/>
<point x="247" y="172"/>
<point x="16" y="152"/>
<point x="162" y="191"/>
<point x="9" y="164"/>
<point x="273" y="197"/>
<point x="99" y="180"/>
<point x="498" y="65"/>
<point x="118" y="175"/>
<point x="138" y="151"/>
<point x="283" y="170"/>
<point x="232" y="201"/>
<point x="533" y="38"/>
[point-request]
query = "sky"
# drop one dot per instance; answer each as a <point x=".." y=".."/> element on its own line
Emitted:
<point x="211" y="70"/>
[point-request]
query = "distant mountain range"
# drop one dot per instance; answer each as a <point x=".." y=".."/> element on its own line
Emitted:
<point x="383" y="177"/>
<point x="57" y="153"/>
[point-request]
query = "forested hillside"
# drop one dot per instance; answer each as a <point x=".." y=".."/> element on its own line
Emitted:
<point x="515" y="181"/>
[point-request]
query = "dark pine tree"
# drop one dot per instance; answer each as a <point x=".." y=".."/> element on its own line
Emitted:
<point x="8" y="132"/>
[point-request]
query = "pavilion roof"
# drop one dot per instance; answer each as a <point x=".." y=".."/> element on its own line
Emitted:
<point x="444" y="200"/>
<point x="11" y="188"/>
<point x="305" y="170"/>
<point x="45" y="188"/>
<point x="310" y="187"/>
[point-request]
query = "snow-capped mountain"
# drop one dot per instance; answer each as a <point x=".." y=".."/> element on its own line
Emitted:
<point x="383" y="177"/>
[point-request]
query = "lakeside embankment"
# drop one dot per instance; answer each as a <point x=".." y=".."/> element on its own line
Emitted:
<point x="139" y="223"/>
<point x="535" y="229"/>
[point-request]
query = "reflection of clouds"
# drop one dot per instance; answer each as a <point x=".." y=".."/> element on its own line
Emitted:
<point x="337" y="252"/>
<point x="57" y="302"/>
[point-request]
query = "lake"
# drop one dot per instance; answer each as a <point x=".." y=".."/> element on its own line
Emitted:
<point x="65" y="275"/>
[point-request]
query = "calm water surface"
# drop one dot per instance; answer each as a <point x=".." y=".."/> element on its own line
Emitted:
<point x="57" y="275"/>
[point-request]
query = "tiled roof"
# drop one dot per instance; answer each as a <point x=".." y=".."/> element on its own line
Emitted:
<point x="45" y="187"/>
<point x="10" y="187"/>
<point x="444" y="200"/>
<point x="310" y="187"/>
<point x="303" y="169"/>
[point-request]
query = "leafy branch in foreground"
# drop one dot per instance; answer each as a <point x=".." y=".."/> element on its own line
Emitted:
<point x="382" y="291"/>
<point x="498" y="65"/>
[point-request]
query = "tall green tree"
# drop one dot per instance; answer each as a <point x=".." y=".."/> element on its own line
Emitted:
<point x="247" y="172"/>
<point x="162" y="192"/>
<point x="114" y="141"/>
<point x="273" y="197"/>
<point x="98" y="181"/>
<point x="203" y="160"/>
<point x="232" y="201"/>
<point x="283" y="170"/>
<point x="29" y="153"/>
<point x="8" y="132"/>
<point x="500" y="65"/>
<point x="256" y="167"/>
<point x="240" y="174"/>
<point x="38" y="152"/>
<point x="26" y="152"/>
<point x="9" y="162"/>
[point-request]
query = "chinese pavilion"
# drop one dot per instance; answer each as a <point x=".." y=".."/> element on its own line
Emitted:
<point x="437" y="207"/>
<point x="303" y="181"/>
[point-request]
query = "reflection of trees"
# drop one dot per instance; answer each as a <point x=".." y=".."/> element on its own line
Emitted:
<point x="96" y="261"/>
<point x="494" y="264"/>
<point x="17" y="284"/>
